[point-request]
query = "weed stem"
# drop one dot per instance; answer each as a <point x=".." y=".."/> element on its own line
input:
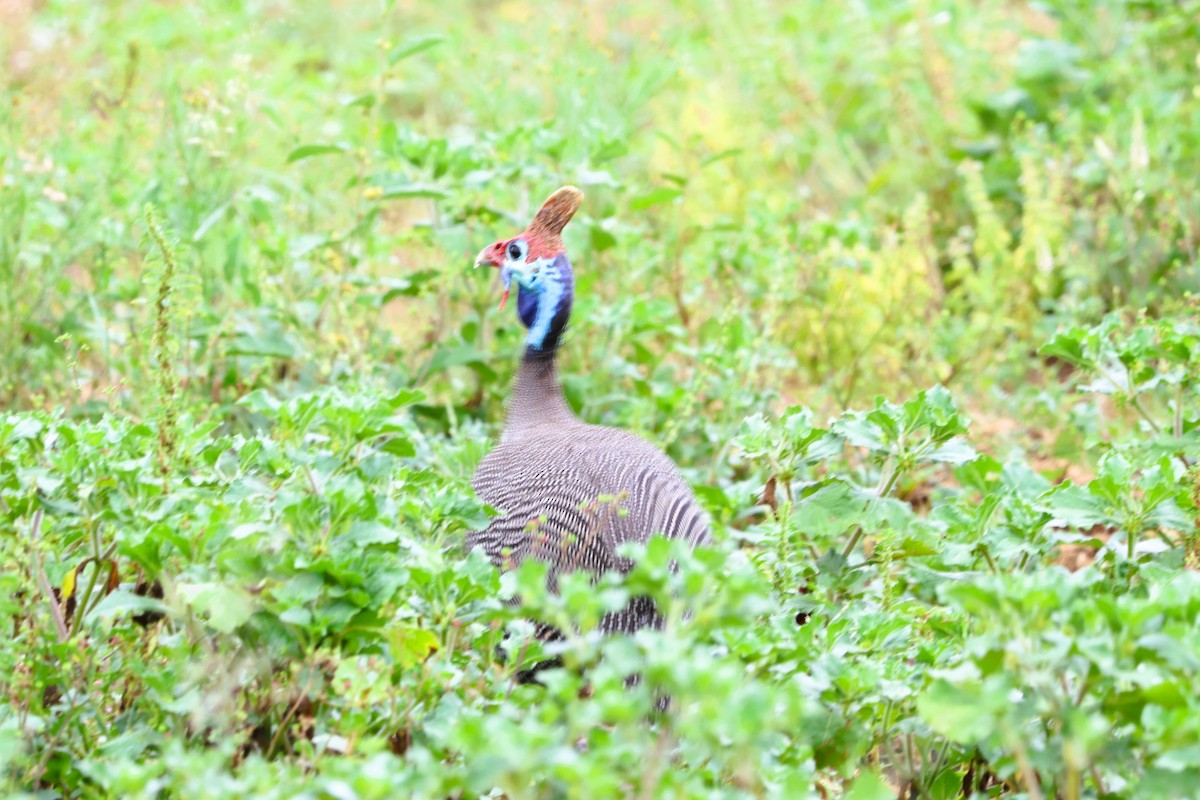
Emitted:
<point x="60" y="625"/>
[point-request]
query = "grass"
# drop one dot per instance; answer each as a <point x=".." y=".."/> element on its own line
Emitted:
<point x="906" y="289"/>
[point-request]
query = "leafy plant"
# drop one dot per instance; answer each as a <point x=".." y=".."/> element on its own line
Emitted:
<point x="248" y="373"/>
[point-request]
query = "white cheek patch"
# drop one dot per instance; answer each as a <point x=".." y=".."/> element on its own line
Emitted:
<point x="544" y="266"/>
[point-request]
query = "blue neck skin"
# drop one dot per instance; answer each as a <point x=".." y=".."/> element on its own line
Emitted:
<point x="545" y="312"/>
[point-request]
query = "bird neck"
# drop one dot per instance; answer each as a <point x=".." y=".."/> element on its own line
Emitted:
<point x="537" y="397"/>
<point x="547" y="310"/>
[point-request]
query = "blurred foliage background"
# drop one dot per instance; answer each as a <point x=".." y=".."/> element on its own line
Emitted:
<point x="247" y="373"/>
<point x="885" y="195"/>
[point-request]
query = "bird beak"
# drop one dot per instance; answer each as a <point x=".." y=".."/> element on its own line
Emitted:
<point x="485" y="260"/>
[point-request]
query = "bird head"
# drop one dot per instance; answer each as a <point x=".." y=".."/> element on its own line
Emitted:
<point x="537" y="263"/>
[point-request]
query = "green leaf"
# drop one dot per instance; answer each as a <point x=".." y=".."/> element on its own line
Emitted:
<point x="296" y="616"/>
<point x="363" y="533"/>
<point x="962" y="714"/>
<point x="260" y="401"/>
<point x="829" y="511"/>
<point x="400" y="446"/>
<point x="1170" y="516"/>
<point x="124" y="602"/>
<point x="974" y="598"/>
<point x="1068" y="346"/>
<point x="26" y="428"/>
<point x="410" y="285"/>
<point x="911" y="546"/>
<point x="131" y="744"/>
<point x="1019" y="478"/>
<point x="410" y="646"/>
<point x="225" y="607"/>
<point x="979" y="473"/>
<point x="956" y="451"/>
<point x="306" y="243"/>
<point x="405" y="397"/>
<point x="869" y="786"/>
<point x="654" y="197"/>
<point x="859" y="431"/>
<point x="721" y="156"/>
<point x="212" y="219"/>
<point x="1074" y="506"/>
<point x="417" y="44"/>
<point x="411" y="190"/>
<point x="1114" y="477"/>
<point x="310" y="150"/>
<point x="1180" y="758"/>
<point x="601" y="239"/>
<point x="938" y="406"/>
<point x="366" y="100"/>
<point x="273" y="343"/>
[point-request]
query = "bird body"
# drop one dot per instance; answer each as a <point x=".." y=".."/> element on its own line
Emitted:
<point x="569" y="493"/>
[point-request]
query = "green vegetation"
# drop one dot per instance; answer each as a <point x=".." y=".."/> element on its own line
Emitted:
<point x="905" y="288"/>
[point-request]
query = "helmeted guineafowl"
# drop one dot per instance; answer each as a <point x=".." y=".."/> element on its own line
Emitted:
<point x="569" y="493"/>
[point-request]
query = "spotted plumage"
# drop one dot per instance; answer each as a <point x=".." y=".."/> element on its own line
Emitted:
<point x="569" y="493"/>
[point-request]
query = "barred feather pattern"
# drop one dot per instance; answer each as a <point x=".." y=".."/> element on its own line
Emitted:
<point x="570" y="493"/>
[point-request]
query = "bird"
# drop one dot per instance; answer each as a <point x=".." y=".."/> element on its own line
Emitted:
<point x="569" y="493"/>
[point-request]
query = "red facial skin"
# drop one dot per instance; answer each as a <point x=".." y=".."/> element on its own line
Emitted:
<point x="494" y="255"/>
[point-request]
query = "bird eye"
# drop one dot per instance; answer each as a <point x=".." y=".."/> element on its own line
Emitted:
<point x="514" y="251"/>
